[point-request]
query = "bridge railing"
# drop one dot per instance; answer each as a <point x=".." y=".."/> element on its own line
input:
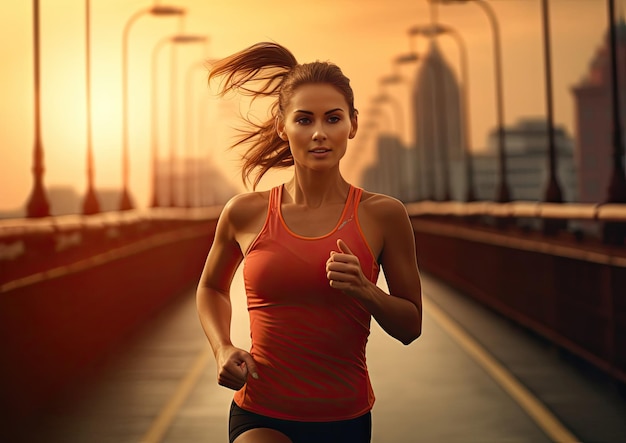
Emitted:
<point x="523" y="209"/>
<point x="73" y="288"/>
<point x="567" y="285"/>
<point x="36" y="246"/>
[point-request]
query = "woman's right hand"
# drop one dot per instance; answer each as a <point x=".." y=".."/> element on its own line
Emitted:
<point x="233" y="367"/>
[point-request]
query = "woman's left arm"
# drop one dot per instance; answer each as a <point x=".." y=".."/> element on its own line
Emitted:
<point x="400" y="312"/>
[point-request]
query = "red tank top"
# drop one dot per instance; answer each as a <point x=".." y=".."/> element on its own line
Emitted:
<point x="308" y="339"/>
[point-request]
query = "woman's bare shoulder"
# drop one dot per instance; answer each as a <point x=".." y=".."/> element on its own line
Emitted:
<point x="381" y="205"/>
<point x="246" y="205"/>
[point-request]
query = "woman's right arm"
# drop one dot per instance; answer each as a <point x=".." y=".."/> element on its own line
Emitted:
<point x="214" y="305"/>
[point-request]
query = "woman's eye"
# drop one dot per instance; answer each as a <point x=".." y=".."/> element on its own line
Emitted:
<point x="303" y="121"/>
<point x="333" y="119"/>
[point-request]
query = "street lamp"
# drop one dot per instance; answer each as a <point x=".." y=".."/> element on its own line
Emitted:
<point x="181" y="38"/>
<point x="173" y="109"/>
<point x="617" y="184"/>
<point x="192" y="173"/>
<point x="154" y="139"/>
<point x="159" y="11"/>
<point x="502" y="194"/>
<point x="37" y="205"/>
<point x="90" y="204"/>
<point x="432" y="31"/>
<point x="615" y="232"/>
<point x="205" y="141"/>
<point x="553" y="190"/>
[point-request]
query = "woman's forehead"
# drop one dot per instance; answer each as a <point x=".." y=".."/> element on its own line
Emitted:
<point x="317" y="95"/>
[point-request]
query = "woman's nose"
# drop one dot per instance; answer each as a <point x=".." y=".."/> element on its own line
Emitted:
<point x="319" y="134"/>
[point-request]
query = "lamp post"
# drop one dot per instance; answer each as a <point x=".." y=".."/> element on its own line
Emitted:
<point x="90" y="204"/>
<point x="434" y="30"/>
<point x="206" y="184"/>
<point x="502" y="193"/>
<point x="553" y="190"/>
<point x="615" y="232"/>
<point x="173" y="111"/>
<point x="154" y="143"/>
<point x="154" y="138"/>
<point x="159" y="11"/>
<point x="192" y="173"/>
<point x="617" y="184"/>
<point x="37" y="205"/>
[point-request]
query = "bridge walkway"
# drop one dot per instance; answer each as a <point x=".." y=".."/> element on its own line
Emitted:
<point x="471" y="377"/>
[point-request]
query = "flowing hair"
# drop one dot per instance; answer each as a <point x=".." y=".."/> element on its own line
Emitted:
<point x="270" y="70"/>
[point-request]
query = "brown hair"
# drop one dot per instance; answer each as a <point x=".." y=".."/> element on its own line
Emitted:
<point x="270" y="70"/>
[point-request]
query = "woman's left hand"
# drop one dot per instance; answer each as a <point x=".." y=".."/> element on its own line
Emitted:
<point x="343" y="271"/>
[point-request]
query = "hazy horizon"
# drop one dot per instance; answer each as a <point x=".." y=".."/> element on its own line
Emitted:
<point x="362" y="37"/>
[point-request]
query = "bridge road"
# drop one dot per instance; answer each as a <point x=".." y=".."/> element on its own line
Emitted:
<point x="445" y="387"/>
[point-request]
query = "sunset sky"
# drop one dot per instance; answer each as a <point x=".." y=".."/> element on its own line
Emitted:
<point x="361" y="36"/>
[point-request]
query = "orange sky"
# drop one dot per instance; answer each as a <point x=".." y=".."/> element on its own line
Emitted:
<point x="361" y="36"/>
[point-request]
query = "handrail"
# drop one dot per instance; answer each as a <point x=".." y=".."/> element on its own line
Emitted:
<point x="83" y="233"/>
<point x="615" y="212"/>
<point x="65" y="223"/>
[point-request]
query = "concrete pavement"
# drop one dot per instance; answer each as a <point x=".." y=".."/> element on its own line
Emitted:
<point x="471" y="377"/>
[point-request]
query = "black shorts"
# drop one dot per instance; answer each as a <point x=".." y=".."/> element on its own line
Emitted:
<point x="356" y="430"/>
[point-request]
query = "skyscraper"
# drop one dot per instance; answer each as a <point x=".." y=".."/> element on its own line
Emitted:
<point x="438" y="128"/>
<point x="593" y="118"/>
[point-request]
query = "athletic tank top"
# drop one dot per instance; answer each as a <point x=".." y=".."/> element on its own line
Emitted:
<point x="308" y="339"/>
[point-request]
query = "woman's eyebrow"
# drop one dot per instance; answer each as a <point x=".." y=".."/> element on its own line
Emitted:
<point x="302" y="111"/>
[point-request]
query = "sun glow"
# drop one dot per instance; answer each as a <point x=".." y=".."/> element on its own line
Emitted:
<point x="361" y="36"/>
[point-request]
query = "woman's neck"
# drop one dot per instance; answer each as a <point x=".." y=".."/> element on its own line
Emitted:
<point x="315" y="190"/>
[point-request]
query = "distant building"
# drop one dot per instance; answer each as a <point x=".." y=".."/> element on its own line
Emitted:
<point x="436" y="165"/>
<point x="594" y="120"/>
<point x="526" y="162"/>
<point x="438" y="128"/>
<point x="390" y="171"/>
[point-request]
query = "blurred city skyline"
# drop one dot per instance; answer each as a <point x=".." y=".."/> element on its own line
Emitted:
<point x="362" y="37"/>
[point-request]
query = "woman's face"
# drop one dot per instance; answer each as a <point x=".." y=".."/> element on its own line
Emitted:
<point x="317" y="125"/>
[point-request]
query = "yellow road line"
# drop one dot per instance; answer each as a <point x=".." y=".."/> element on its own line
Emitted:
<point x="163" y="421"/>
<point x="533" y="407"/>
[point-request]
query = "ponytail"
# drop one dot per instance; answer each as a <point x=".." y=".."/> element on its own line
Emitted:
<point x="267" y="63"/>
